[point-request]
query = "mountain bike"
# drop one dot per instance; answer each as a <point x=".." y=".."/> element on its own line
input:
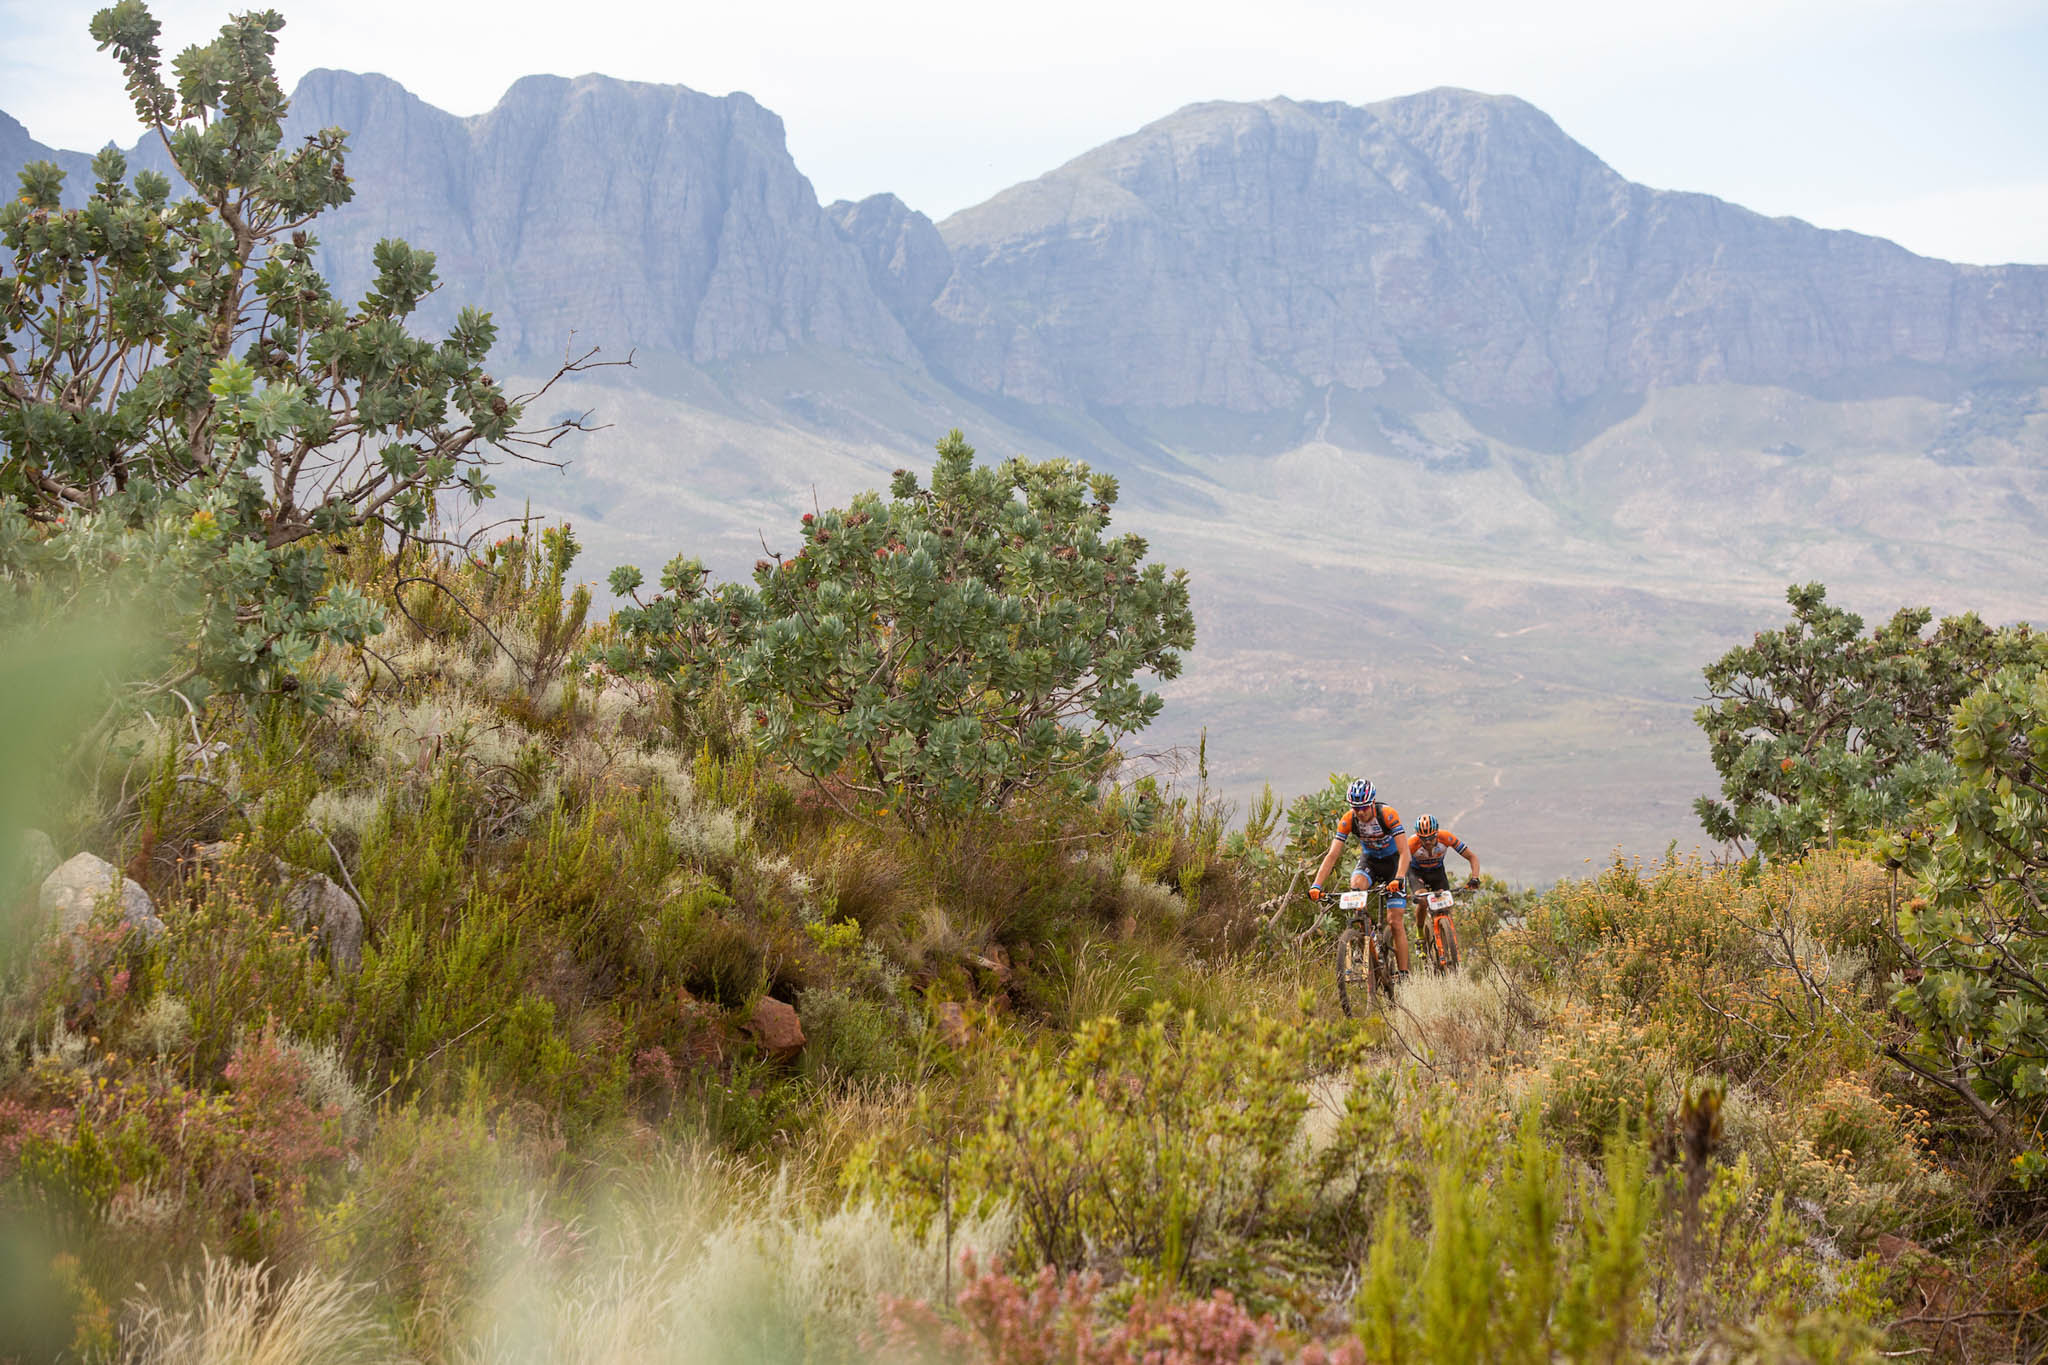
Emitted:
<point x="1365" y="951"/>
<point x="1440" y="944"/>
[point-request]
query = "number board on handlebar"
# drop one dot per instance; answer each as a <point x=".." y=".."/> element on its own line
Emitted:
<point x="1353" y="900"/>
<point x="1439" y="900"/>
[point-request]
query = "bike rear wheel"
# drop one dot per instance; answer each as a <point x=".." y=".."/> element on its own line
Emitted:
<point x="1354" y="971"/>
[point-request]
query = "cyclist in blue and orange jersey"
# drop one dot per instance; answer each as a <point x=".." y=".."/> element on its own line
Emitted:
<point x="1382" y="856"/>
<point x="1426" y="848"/>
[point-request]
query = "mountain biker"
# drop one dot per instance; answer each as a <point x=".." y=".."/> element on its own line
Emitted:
<point x="1382" y="856"/>
<point x="1426" y="849"/>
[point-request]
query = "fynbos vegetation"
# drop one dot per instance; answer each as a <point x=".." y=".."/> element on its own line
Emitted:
<point x="793" y="972"/>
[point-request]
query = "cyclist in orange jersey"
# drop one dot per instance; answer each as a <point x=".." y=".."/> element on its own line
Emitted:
<point x="1427" y="848"/>
<point x="1382" y="857"/>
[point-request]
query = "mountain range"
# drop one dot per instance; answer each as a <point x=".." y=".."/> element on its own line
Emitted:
<point x="1477" y="449"/>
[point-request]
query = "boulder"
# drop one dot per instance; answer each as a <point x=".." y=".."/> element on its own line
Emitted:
<point x="314" y="902"/>
<point x="952" y="1021"/>
<point x="776" y="1028"/>
<point x="74" y="891"/>
<point x="35" y="857"/>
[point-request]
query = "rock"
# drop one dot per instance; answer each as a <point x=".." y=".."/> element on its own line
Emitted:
<point x="997" y="964"/>
<point x="215" y="853"/>
<point x="1892" y="1249"/>
<point x="78" y="888"/>
<point x="952" y="1020"/>
<point x="35" y="857"/>
<point x="314" y="902"/>
<point x="776" y="1028"/>
<point x="702" y="1029"/>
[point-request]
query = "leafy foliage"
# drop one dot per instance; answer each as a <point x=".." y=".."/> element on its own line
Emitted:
<point x="1821" y="733"/>
<point x="1979" y="928"/>
<point x="181" y="392"/>
<point x="941" y="650"/>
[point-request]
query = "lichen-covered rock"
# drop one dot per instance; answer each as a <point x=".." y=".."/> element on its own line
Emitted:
<point x="76" y="889"/>
<point x="776" y="1027"/>
<point x="314" y="902"/>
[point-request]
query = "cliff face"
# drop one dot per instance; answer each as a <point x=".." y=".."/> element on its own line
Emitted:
<point x="628" y="214"/>
<point x="1241" y="255"/>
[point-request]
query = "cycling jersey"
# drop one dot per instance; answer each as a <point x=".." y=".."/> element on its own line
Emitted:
<point x="1430" y="852"/>
<point x="1377" y="829"/>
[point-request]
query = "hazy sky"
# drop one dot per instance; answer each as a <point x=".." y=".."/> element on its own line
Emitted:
<point x="1925" y="122"/>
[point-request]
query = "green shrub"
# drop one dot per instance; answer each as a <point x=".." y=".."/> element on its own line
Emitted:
<point x="940" y="652"/>
<point x="1822" y="734"/>
<point x="218" y="469"/>
<point x="1979" y="925"/>
<point x="236" y="965"/>
<point x="1117" y="1147"/>
<point x="429" y="1218"/>
<point x="852" y="1039"/>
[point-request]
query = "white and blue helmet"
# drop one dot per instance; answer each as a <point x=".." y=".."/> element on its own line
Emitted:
<point x="1360" y="793"/>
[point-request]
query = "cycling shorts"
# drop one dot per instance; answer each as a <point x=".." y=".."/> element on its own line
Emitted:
<point x="1377" y="870"/>
<point x="1431" y="875"/>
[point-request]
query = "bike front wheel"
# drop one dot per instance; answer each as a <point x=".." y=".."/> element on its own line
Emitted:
<point x="1354" y="972"/>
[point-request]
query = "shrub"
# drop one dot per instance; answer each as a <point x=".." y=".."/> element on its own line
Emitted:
<point x="1601" y="1071"/>
<point x="866" y="880"/>
<point x="1115" y="1147"/>
<point x="1979" y="927"/>
<point x="429" y="1219"/>
<point x="1004" y="1321"/>
<point x="1821" y="734"/>
<point x="217" y="469"/>
<point x="940" y="652"/>
<point x="854" y="1039"/>
<point x="722" y="963"/>
<point x="233" y="964"/>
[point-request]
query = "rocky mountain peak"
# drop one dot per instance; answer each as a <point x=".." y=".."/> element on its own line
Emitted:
<point x="1248" y="256"/>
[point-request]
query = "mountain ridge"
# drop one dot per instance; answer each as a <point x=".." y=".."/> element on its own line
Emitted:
<point x="1240" y="257"/>
<point x="1464" y="237"/>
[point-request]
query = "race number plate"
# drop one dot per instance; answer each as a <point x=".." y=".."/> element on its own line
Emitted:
<point x="1439" y="900"/>
<point x="1353" y="900"/>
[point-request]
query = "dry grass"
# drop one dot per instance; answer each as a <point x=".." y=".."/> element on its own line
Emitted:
<point x="702" y="1260"/>
<point x="1457" y="1023"/>
<point x="235" y="1314"/>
